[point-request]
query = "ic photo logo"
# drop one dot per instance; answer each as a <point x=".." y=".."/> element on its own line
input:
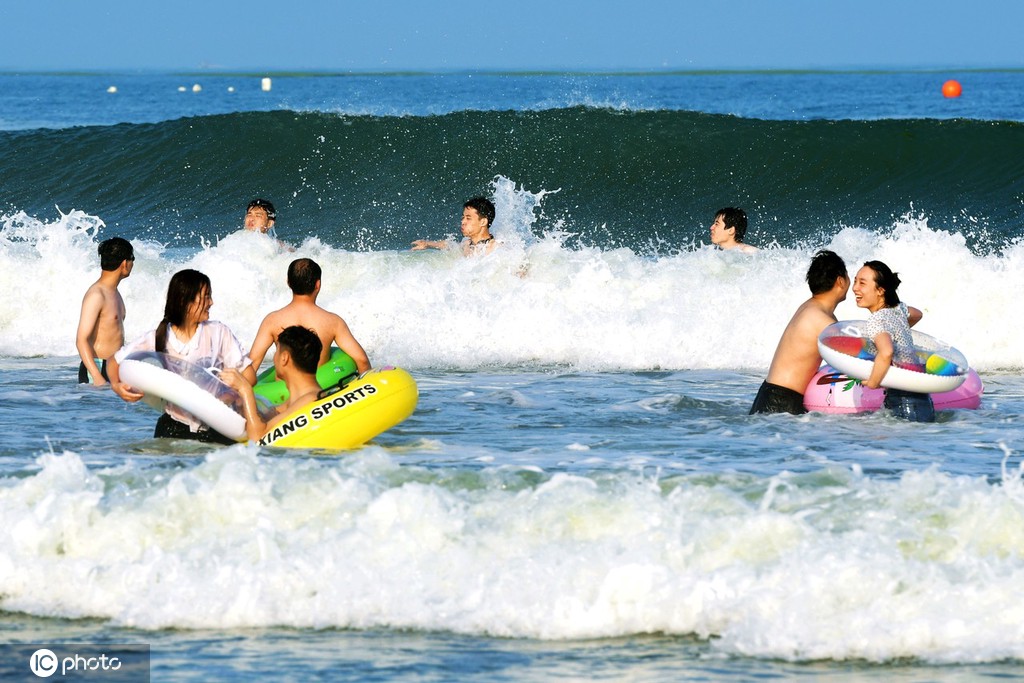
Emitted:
<point x="43" y="663"/>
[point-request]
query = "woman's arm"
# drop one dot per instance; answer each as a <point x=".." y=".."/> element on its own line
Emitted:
<point x="144" y="343"/>
<point x="120" y="388"/>
<point x="883" y="359"/>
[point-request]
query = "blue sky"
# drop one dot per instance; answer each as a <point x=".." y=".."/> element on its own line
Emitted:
<point x="510" y="34"/>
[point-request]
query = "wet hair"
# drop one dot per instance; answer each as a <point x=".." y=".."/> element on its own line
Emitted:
<point x="483" y="206"/>
<point x="887" y="280"/>
<point x="115" y="251"/>
<point x="303" y="274"/>
<point x="734" y="218"/>
<point x="184" y="287"/>
<point x="825" y="267"/>
<point x="303" y="345"/>
<point x="262" y="204"/>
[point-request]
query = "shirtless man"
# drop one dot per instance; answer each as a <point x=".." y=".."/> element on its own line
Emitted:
<point x="729" y="228"/>
<point x="304" y="281"/>
<point x="295" y="359"/>
<point x="101" y="325"/>
<point x="796" y="357"/>
<point x="477" y="218"/>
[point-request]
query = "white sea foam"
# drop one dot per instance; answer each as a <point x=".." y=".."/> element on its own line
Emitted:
<point x="534" y="302"/>
<point x="824" y="565"/>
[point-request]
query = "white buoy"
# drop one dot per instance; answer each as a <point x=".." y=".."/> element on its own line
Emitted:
<point x="112" y="88"/>
<point x="196" y="87"/>
<point x="231" y="88"/>
<point x="265" y="84"/>
<point x="181" y="88"/>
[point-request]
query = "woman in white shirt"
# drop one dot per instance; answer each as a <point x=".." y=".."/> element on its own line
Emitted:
<point x="186" y="332"/>
<point x="888" y="326"/>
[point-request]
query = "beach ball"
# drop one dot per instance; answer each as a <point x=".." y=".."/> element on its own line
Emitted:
<point x="937" y="365"/>
<point x="951" y="88"/>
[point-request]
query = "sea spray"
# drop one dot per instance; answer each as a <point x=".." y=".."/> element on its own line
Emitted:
<point x="534" y="302"/>
<point x="918" y="566"/>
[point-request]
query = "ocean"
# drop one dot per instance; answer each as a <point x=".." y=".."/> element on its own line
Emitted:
<point x="580" y="493"/>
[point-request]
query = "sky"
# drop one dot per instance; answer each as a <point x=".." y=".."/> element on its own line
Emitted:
<point x="519" y="35"/>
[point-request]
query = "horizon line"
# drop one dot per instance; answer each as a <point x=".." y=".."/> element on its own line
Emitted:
<point x="667" y="71"/>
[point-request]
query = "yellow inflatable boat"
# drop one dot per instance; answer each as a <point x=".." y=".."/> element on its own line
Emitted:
<point x="346" y="415"/>
<point x="349" y="415"/>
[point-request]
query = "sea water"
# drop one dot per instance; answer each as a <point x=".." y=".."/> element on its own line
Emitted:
<point x="580" y="493"/>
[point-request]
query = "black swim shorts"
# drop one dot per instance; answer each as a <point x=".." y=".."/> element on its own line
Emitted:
<point x="169" y="428"/>
<point x="771" y="398"/>
<point x="83" y="373"/>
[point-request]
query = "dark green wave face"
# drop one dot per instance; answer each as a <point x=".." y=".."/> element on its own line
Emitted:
<point x="631" y="179"/>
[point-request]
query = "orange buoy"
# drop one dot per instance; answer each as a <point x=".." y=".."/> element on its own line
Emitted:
<point x="951" y="88"/>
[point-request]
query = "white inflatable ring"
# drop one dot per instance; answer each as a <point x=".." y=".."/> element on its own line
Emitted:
<point x="187" y="386"/>
<point x="846" y="347"/>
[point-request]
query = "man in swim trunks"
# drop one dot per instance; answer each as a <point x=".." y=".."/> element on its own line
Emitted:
<point x="477" y="219"/>
<point x="304" y="281"/>
<point x="101" y="324"/>
<point x="296" y="359"/>
<point x="796" y="357"/>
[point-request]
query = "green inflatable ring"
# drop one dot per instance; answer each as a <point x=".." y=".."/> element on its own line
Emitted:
<point x="338" y="367"/>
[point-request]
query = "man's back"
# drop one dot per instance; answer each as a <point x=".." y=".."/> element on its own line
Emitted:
<point x="796" y="357"/>
<point x="308" y="314"/>
<point x="304" y="312"/>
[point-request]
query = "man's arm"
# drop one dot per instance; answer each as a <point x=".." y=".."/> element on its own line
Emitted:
<point x="347" y="342"/>
<point x="92" y="306"/>
<point x="417" y="245"/>
<point x="259" y="348"/>
<point x="255" y="427"/>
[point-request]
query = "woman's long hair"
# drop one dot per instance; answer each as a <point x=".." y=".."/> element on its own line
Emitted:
<point x="887" y="280"/>
<point x="182" y="291"/>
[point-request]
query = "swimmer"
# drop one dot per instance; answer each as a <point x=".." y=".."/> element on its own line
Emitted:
<point x="888" y="326"/>
<point x="304" y="281"/>
<point x="260" y="216"/>
<point x="477" y="218"/>
<point x="185" y="332"/>
<point x="729" y="229"/>
<point x="796" y="356"/>
<point x="101" y="324"/>
<point x="296" y="359"/>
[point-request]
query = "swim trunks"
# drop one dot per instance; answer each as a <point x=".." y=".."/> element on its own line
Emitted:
<point x="169" y="428"/>
<point x="83" y="373"/>
<point x="909" y="405"/>
<point x="771" y="398"/>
